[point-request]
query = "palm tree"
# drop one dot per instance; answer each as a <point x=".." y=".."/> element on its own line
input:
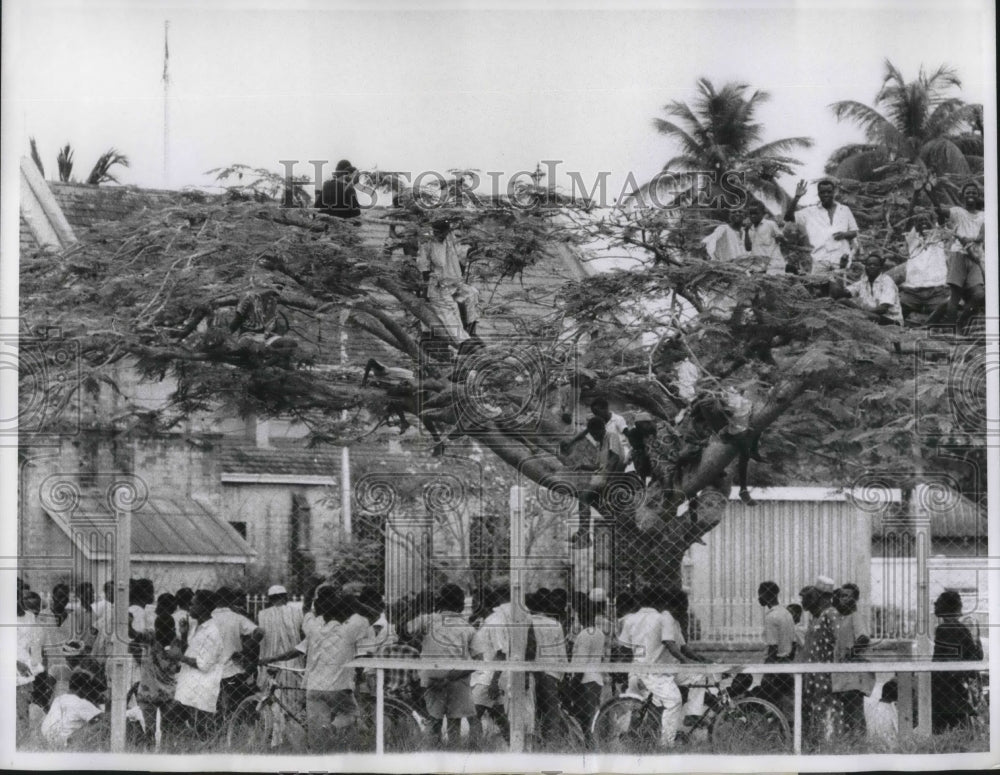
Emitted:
<point x="718" y="134"/>
<point x="101" y="173"/>
<point x="920" y="121"/>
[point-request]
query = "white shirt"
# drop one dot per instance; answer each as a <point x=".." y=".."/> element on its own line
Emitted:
<point x="233" y="627"/>
<point x="927" y="266"/>
<point x="687" y="380"/>
<point x="642" y="632"/>
<point x="328" y="646"/>
<point x="282" y="627"/>
<point x="872" y="295"/>
<point x="29" y="648"/>
<point x="440" y="258"/>
<point x="764" y="242"/>
<point x="820" y="227"/>
<point x="492" y="637"/>
<point x="779" y="630"/>
<point x="588" y="648"/>
<point x="550" y="641"/>
<point x="965" y="224"/>
<point x="198" y="687"/>
<point x="725" y="243"/>
<point x="670" y="631"/>
<point x="138" y="614"/>
<point x="67" y="714"/>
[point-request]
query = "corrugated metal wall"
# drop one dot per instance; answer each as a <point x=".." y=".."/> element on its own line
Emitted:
<point x="790" y="542"/>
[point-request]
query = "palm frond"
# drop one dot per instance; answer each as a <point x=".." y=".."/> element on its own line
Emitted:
<point x="892" y="75"/>
<point x="947" y="118"/>
<point x="689" y="144"/>
<point x="101" y="173"/>
<point x="65" y="163"/>
<point x="877" y="128"/>
<point x="779" y="147"/>
<point x="943" y="78"/>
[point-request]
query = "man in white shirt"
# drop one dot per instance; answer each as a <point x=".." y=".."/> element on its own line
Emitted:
<point x="764" y="239"/>
<point x="452" y="299"/>
<point x="779" y="638"/>
<point x="829" y="226"/>
<point x="675" y="649"/>
<point x="233" y="627"/>
<point x="966" y="279"/>
<point x="923" y="278"/>
<point x="199" y="679"/>
<point x="727" y="241"/>
<point x="281" y="625"/>
<point x="328" y="646"/>
<point x="642" y="632"/>
<point x="29" y="664"/>
<point x="490" y="689"/>
<point x="876" y="293"/>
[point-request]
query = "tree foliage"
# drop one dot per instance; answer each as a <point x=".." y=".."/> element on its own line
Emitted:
<point x="155" y="293"/>
<point x="918" y="121"/>
<point x="719" y="133"/>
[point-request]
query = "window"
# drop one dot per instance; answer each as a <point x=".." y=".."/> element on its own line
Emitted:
<point x="241" y="528"/>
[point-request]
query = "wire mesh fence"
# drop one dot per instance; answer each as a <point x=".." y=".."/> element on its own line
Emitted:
<point x="342" y="670"/>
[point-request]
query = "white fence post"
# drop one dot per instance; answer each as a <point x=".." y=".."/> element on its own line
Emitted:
<point x="797" y="715"/>
<point x="519" y="620"/>
<point x="120" y="658"/>
<point x="379" y="711"/>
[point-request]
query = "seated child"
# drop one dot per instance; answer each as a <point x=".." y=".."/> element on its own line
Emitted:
<point x="71" y="711"/>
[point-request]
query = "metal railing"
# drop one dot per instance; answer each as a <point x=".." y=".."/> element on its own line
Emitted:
<point x="904" y="671"/>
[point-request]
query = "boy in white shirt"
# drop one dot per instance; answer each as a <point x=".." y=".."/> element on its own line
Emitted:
<point x="72" y="711"/>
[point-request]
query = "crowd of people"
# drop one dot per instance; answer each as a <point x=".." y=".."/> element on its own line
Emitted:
<point x="195" y="655"/>
<point x="934" y="276"/>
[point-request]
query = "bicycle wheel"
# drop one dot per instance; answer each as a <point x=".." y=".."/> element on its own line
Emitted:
<point x="564" y="735"/>
<point x="627" y="724"/>
<point x="402" y="728"/>
<point x="251" y="727"/>
<point x="751" y="725"/>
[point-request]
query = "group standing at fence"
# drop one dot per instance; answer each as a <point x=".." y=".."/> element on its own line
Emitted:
<point x="195" y="656"/>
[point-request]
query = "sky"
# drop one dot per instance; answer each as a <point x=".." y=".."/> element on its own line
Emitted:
<point x="435" y="87"/>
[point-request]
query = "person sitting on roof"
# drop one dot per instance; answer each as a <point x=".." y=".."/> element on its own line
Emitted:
<point x="338" y="197"/>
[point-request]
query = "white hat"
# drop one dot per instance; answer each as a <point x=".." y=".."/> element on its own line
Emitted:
<point x="597" y="595"/>
<point x="277" y="589"/>
<point x="825" y="584"/>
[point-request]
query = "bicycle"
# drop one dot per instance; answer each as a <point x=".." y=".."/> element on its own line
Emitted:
<point x="738" y="725"/>
<point x="260" y="723"/>
<point x="264" y="723"/>
<point x="562" y="731"/>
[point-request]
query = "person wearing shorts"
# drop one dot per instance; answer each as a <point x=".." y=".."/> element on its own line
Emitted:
<point x="328" y="647"/>
<point x="447" y="694"/>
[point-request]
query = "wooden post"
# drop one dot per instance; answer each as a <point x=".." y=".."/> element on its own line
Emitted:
<point x="519" y="620"/>
<point x="119" y="661"/>
<point x="797" y="714"/>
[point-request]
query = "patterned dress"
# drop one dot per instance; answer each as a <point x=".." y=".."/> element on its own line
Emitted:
<point x="822" y="710"/>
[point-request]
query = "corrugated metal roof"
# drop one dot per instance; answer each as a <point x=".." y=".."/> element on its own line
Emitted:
<point x="950" y="517"/>
<point x="164" y="527"/>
